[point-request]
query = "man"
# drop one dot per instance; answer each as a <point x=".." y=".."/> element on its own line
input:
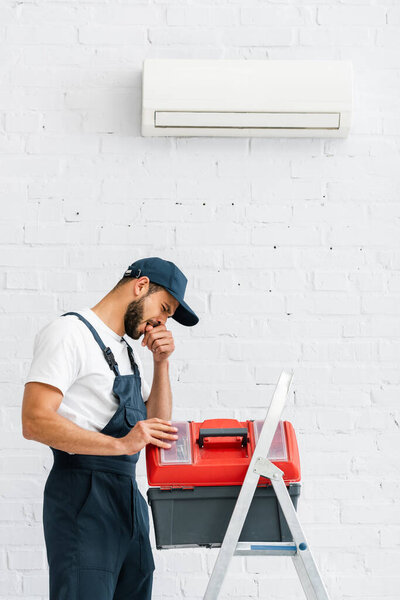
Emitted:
<point x="85" y="398"/>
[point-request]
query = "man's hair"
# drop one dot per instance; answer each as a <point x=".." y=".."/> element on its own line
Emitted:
<point x="153" y="287"/>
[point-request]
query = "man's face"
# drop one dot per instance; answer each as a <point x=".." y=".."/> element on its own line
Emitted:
<point x="151" y="309"/>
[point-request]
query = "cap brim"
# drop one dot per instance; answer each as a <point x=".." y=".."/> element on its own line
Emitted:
<point x="184" y="314"/>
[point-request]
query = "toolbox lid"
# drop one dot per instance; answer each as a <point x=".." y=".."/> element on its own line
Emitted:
<point x="218" y="452"/>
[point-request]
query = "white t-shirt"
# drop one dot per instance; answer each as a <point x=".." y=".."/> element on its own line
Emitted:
<point x="66" y="356"/>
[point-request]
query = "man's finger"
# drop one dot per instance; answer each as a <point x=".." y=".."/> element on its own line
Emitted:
<point x="158" y="443"/>
<point x="157" y="420"/>
<point x="161" y="427"/>
<point x="161" y="435"/>
<point x="163" y="348"/>
<point x="155" y="329"/>
<point x="160" y="341"/>
<point x="147" y="329"/>
<point x="157" y="335"/>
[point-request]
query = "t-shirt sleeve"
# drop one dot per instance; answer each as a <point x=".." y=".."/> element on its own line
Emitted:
<point x="55" y="355"/>
<point x="145" y="390"/>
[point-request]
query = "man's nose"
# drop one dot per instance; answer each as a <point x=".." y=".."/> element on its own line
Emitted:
<point x="162" y="319"/>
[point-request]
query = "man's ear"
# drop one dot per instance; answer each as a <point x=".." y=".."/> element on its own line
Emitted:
<point x="141" y="285"/>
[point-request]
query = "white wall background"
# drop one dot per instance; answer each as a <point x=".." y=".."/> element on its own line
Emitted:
<point x="291" y="248"/>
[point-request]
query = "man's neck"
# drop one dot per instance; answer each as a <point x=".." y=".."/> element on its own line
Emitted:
<point x="111" y="313"/>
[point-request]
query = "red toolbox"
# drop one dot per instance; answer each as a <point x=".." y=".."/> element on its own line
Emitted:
<point x="198" y="480"/>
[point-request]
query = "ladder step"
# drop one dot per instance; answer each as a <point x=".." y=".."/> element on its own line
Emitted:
<point x="266" y="548"/>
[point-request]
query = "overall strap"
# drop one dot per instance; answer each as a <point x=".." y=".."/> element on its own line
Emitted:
<point x="134" y="366"/>
<point x="108" y="355"/>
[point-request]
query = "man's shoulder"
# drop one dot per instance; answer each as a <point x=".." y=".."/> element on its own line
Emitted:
<point x="62" y="327"/>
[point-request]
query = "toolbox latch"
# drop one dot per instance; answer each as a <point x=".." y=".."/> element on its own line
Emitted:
<point x="170" y="488"/>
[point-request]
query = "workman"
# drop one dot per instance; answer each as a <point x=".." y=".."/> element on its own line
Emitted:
<point x="86" y="397"/>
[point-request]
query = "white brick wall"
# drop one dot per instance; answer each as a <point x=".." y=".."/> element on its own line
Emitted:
<point x="291" y="248"/>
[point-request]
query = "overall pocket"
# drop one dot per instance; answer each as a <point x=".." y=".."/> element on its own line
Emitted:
<point x="81" y="490"/>
<point x="99" y="522"/>
<point x="147" y="565"/>
<point x="146" y="554"/>
<point x="133" y="415"/>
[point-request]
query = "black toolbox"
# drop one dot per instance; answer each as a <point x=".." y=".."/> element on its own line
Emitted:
<point x="200" y="516"/>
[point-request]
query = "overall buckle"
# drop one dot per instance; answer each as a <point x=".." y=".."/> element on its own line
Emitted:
<point x="109" y="356"/>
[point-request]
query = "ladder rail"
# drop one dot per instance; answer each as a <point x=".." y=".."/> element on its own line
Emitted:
<point x="248" y="488"/>
<point x="303" y="560"/>
<point x="298" y="550"/>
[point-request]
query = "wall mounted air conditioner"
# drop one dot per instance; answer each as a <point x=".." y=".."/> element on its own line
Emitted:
<point x="246" y="98"/>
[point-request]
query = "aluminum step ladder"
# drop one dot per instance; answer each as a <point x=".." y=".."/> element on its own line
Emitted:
<point x="299" y="549"/>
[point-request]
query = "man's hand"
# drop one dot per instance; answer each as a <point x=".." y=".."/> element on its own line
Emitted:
<point x="160" y="341"/>
<point x="150" y="431"/>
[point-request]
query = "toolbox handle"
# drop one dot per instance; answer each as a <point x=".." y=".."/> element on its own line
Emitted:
<point x="238" y="431"/>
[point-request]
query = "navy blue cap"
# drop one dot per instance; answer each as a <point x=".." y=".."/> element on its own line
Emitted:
<point x="166" y="274"/>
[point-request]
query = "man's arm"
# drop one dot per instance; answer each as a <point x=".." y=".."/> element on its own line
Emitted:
<point x="42" y="423"/>
<point x="159" y="403"/>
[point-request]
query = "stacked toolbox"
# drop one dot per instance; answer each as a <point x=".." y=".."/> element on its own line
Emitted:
<point x="199" y="478"/>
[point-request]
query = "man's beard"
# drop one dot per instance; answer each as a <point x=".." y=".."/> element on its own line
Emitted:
<point x="133" y="317"/>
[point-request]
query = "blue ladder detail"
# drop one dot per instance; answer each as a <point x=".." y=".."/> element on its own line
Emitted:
<point x="275" y="547"/>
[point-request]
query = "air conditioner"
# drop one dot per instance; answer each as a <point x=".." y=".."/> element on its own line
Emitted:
<point x="246" y="98"/>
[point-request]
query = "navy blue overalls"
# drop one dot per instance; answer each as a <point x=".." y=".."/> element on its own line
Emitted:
<point x="95" y="520"/>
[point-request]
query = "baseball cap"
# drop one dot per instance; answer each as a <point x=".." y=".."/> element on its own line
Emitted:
<point x="165" y="273"/>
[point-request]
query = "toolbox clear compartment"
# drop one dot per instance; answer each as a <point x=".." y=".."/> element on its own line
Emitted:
<point x="180" y="452"/>
<point x="277" y="449"/>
